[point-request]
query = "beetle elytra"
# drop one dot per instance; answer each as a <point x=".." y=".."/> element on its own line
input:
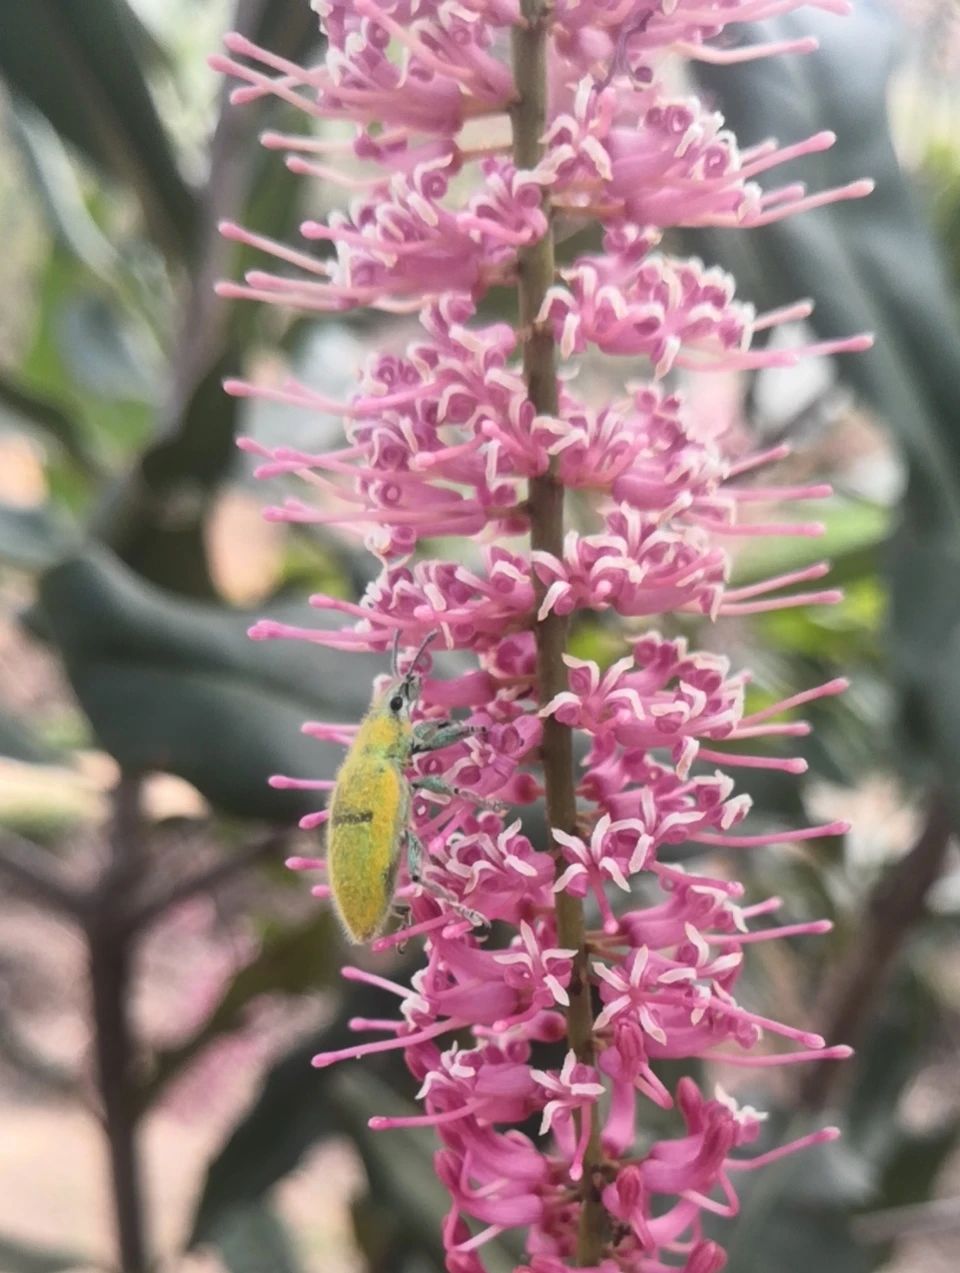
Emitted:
<point x="369" y="823"/>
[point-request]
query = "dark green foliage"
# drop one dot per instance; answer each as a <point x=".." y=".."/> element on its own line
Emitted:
<point x="177" y="685"/>
<point x="870" y="265"/>
<point x="17" y="1257"/>
<point x="33" y="537"/>
<point x="20" y="742"/>
<point x="253" y="1239"/>
<point x="78" y="63"/>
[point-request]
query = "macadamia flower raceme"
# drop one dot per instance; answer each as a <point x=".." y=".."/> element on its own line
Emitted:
<point x="482" y="130"/>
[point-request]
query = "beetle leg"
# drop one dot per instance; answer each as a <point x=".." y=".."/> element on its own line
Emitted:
<point x="415" y="854"/>
<point x="400" y="911"/>
<point x="430" y="735"/>
<point x="440" y="788"/>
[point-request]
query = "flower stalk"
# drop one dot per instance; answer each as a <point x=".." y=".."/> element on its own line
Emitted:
<point x="536" y="272"/>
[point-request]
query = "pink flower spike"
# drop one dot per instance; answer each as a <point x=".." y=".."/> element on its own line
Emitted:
<point x="349" y="973"/>
<point x="310" y="821"/>
<point x="324" y="1059"/>
<point x="786" y="764"/>
<point x="748" y="591"/>
<point x="770" y="1060"/>
<point x="837" y="686"/>
<point x="305" y="864"/>
<point x="456" y="452"/>
<point x="855" y="190"/>
<point x="827" y="597"/>
<point x="760" y="458"/>
<point x="822" y="1137"/>
<point x="413" y="930"/>
<point x="574" y="1088"/>
<point x="810" y="928"/>
<point x="283" y="783"/>
<point x="526" y="964"/>
<point x="777" y="837"/>
<point x="746" y="52"/>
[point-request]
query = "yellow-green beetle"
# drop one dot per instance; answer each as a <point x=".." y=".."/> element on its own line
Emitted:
<point x="369" y="821"/>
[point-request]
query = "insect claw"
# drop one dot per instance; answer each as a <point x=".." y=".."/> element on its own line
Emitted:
<point x="493" y="806"/>
<point x="465" y="912"/>
<point x="442" y="894"/>
<point x="489" y="804"/>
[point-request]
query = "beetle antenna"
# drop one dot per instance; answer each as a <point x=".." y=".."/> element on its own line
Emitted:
<point x="411" y="671"/>
<point x="395" y="656"/>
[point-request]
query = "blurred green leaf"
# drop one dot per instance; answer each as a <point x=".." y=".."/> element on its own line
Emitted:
<point x="79" y="64"/>
<point x="795" y="1214"/>
<point x="295" y="960"/>
<point x="19" y="742"/>
<point x="834" y="635"/>
<point x="915" y="1162"/>
<point x="941" y="168"/>
<point x="871" y="264"/>
<point x="925" y="652"/>
<point x="289" y="28"/>
<point x="299" y="1107"/>
<point x="100" y="352"/>
<point x="102" y="424"/>
<point x="33" y="538"/>
<point x="886" y="1061"/>
<point x="253" y="1240"/>
<point x="796" y="1239"/>
<point x="176" y="685"/>
<point x="23" y="1257"/>
<point x="52" y="418"/>
<point x="156" y="519"/>
<point x="56" y="180"/>
<point x="855" y="532"/>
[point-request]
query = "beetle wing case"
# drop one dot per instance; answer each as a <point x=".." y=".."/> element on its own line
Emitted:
<point x="368" y="819"/>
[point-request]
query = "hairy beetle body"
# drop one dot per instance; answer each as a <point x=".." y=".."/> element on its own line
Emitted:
<point x="369" y="823"/>
<point x="369" y="813"/>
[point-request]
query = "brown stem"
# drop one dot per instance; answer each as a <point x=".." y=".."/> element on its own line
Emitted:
<point x="895" y="906"/>
<point x="535" y="275"/>
<point x="109" y="968"/>
<point x="110" y="957"/>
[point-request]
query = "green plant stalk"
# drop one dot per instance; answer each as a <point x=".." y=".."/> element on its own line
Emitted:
<point x="546" y="498"/>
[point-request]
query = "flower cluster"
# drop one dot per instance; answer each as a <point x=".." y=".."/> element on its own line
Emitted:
<point x="448" y="440"/>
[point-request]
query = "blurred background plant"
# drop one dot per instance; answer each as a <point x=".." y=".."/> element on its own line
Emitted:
<point x="164" y="982"/>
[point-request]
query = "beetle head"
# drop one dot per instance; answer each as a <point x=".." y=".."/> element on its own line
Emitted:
<point x="406" y="688"/>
